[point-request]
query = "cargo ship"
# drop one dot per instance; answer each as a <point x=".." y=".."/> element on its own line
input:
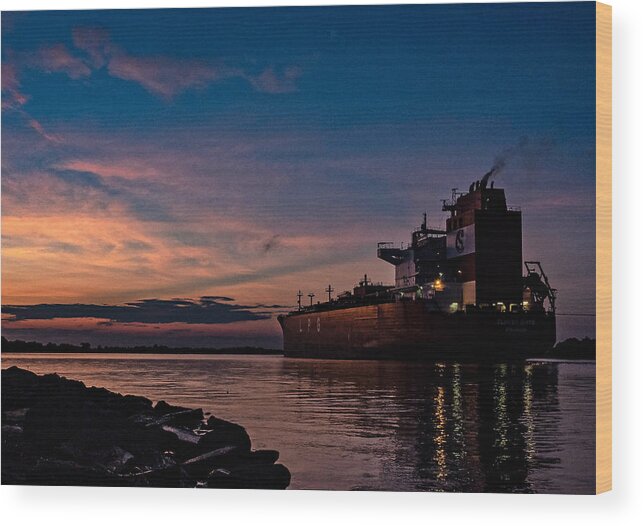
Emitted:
<point x="458" y="292"/>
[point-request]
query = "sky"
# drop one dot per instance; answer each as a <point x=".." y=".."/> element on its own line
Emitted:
<point x="174" y="176"/>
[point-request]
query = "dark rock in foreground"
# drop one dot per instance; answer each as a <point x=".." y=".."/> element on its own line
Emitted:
<point x="59" y="432"/>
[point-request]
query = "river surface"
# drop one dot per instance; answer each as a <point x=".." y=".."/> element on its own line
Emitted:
<point x="367" y="425"/>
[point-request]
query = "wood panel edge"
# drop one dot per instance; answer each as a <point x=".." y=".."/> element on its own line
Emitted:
<point x="603" y="247"/>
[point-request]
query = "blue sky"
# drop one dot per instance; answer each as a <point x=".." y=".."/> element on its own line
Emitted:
<point x="248" y="153"/>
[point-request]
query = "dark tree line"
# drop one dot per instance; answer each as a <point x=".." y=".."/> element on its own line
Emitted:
<point x="20" y="346"/>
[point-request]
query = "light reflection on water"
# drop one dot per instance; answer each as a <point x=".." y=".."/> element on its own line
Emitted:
<point x="526" y="427"/>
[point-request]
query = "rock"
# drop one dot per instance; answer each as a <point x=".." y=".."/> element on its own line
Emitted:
<point x="200" y="466"/>
<point x="12" y="453"/>
<point x="51" y="472"/>
<point x="183" y="434"/>
<point x="135" y="404"/>
<point x="151" y="461"/>
<point x="56" y="431"/>
<point x="148" y="443"/>
<point x="144" y="420"/>
<point x="173" y="476"/>
<point x="228" y="458"/>
<point x="17" y="416"/>
<point x="271" y="476"/>
<point x="48" y="425"/>
<point x="19" y="388"/>
<point x="11" y="432"/>
<point x="13" y="468"/>
<point x="162" y="407"/>
<point x="220" y="478"/>
<point x="184" y="417"/>
<point x="114" y="459"/>
<point x="263" y="456"/>
<point x="223" y="433"/>
<point x="189" y="417"/>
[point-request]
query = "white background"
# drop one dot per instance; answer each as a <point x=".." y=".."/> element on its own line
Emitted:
<point x="96" y="506"/>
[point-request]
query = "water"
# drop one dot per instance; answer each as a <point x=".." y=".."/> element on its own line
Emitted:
<point x="343" y="425"/>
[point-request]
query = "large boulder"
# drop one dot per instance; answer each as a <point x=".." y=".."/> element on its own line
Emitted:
<point x="20" y="388"/>
<point x="222" y="433"/>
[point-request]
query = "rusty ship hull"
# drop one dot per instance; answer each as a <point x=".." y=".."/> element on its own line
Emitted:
<point x="412" y="330"/>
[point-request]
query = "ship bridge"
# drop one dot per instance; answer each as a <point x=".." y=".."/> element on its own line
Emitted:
<point x="389" y="253"/>
<point x="419" y="262"/>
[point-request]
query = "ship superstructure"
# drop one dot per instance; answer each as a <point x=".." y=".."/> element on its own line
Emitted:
<point x="460" y="290"/>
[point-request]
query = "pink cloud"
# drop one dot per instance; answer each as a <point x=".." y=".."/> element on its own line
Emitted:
<point x="11" y="95"/>
<point x="204" y="184"/>
<point x="271" y="82"/>
<point x="127" y="168"/>
<point x="9" y="77"/>
<point x="164" y="76"/>
<point x="14" y="99"/>
<point x="57" y="58"/>
<point x="95" y="42"/>
<point x="34" y="124"/>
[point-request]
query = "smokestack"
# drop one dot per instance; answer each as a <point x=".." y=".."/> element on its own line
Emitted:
<point x="485" y="179"/>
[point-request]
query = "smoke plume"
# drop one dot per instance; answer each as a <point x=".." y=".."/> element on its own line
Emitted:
<point x="271" y="243"/>
<point x="528" y="152"/>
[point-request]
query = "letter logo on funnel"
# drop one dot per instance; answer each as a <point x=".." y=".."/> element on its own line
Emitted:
<point x="459" y="241"/>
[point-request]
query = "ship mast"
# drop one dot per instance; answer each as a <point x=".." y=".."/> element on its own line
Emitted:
<point x="329" y="290"/>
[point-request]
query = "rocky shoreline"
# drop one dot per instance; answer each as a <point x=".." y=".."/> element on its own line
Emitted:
<point x="59" y="432"/>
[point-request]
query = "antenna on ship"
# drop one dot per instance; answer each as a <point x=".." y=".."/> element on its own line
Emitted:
<point x="299" y="295"/>
<point x="329" y="290"/>
<point x="311" y="295"/>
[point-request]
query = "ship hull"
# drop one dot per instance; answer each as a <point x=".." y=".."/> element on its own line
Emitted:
<point x="412" y="330"/>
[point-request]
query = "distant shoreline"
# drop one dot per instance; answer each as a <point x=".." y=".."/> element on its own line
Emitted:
<point x="264" y="352"/>
<point x="23" y="347"/>
<point x="570" y="349"/>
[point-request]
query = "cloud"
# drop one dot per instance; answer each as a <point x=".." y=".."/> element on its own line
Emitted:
<point x="269" y="81"/>
<point x="12" y="97"/>
<point x="162" y="76"/>
<point x="112" y="217"/>
<point x="58" y="59"/>
<point x="206" y="310"/>
<point x="34" y="124"/>
<point x="130" y="168"/>
<point x="95" y="42"/>
<point x="167" y="77"/>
